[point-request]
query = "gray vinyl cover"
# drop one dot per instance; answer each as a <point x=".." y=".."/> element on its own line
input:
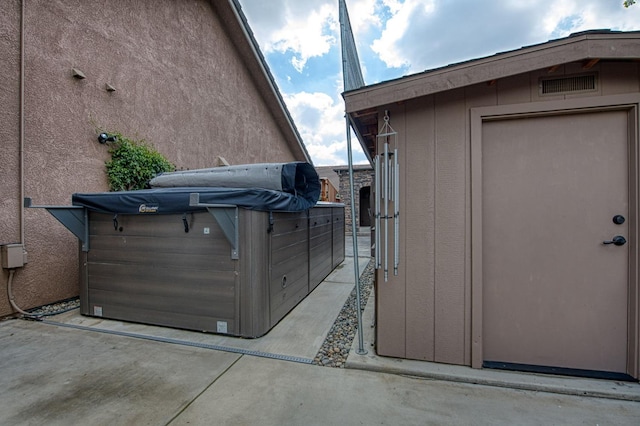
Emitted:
<point x="298" y="183"/>
<point x="287" y="177"/>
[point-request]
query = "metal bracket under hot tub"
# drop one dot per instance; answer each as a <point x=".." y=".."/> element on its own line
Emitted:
<point x="74" y="218"/>
<point x="227" y="217"/>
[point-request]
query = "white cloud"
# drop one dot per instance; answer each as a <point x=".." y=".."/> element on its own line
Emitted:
<point x="422" y="35"/>
<point x="328" y="155"/>
<point x="557" y="12"/>
<point x="394" y="31"/>
<point x="362" y="15"/>
<point x="582" y="16"/>
<point x="320" y="121"/>
<point x="305" y="29"/>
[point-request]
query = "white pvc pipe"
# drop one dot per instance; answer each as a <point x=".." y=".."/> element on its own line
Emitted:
<point x="22" y="121"/>
<point x="10" y="295"/>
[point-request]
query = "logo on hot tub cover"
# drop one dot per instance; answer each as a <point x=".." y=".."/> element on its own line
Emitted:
<point x="148" y="208"/>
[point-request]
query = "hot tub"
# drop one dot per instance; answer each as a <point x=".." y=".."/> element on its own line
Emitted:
<point x="225" y="260"/>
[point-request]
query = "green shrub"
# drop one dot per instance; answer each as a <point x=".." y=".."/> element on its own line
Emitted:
<point x="133" y="163"/>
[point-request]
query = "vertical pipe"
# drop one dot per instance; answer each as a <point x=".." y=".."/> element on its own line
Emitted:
<point x="396" y="213"/>
<point x="385" y="183"/>
<point x="21" y="136"/>
<point x="391" y="174"/>
<point x="354" y="233"/>
<point x="377" y="196"/>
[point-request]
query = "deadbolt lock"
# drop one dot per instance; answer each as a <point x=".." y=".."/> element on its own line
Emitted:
<point x="618" y="219"/>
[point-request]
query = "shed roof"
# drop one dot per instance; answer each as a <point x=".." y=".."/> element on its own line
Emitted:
<point x="588" y="46"/>
<point x="238" y="30"/>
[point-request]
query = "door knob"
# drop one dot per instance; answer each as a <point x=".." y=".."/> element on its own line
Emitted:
<point x="618" y="240"/>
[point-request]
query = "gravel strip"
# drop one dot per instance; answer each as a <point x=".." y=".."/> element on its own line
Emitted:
<point x="55" y="308"/>
<point x="335" y="349"/>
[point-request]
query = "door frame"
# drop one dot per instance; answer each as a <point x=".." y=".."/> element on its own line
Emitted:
<point x="627" y="102"/>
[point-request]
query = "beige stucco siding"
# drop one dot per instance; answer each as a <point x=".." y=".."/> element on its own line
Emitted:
<point x="9" y="121"/>
<point x="425" y="312"/>
<point x="180" y="84"/>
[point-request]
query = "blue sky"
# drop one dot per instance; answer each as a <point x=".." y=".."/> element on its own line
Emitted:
<point x="301" y="42"/>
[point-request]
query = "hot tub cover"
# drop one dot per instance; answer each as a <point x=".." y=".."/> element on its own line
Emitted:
<point x="176" y="200"/>
<point x="299" y="191"/>
<point x="291" y="177"/>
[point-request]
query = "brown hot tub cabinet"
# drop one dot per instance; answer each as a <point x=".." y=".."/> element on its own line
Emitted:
<point x="146" y="268"/>
<point x="207" y="259"/>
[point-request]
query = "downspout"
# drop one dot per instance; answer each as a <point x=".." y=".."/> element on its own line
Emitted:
<point x="12" y="271"/>
<point x="21" y="135"/>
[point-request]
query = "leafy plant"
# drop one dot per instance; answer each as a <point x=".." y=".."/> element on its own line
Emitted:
<point x="133" y="163"/>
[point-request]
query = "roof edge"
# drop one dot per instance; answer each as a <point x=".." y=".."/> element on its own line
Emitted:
<point x="580" y="46"/>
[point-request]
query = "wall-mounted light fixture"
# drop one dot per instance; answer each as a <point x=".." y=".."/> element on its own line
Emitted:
<point x="106" y="137"/>
<point x="109" y="88"/>
<point x="78" y="74"/>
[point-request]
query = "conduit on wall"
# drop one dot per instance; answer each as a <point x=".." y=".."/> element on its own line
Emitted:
<point x="21" y="206"/>
<point x="21" y="136"/>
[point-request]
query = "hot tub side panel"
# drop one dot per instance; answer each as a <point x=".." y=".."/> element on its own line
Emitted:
<point x="253" y="300"/>
<point x="338" y="251"/>
<point x="320" y="245"/>
<point x="289" y="263"/>
<point x="146" y="268"/>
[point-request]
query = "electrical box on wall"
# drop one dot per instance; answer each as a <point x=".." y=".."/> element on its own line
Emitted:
<point x="13" y="256"/>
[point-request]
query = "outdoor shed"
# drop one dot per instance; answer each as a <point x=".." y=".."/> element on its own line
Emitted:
<point x="518" y="183"/>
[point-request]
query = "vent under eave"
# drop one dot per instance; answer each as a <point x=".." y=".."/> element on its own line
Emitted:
<point x="571" y="84"/>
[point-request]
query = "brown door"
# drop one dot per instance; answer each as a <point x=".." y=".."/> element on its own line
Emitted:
<point x="553" y="293"/>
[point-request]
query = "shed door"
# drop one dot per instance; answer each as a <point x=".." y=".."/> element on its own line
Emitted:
<point x="553" y="293"/>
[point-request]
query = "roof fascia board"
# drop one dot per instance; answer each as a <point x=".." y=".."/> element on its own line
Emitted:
<point x="603" y="46"/>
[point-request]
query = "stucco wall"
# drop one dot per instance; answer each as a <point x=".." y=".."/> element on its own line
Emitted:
<point x="424" y="313"/>
<point x="9" y="121"/>
<point x="180" y="85"/>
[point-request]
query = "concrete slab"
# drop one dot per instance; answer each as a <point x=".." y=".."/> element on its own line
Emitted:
<point x="267" y="392"/>
<point x="364" y="246"/>
<point x="534" y="382"/>
<point x="344" y="273"/>
<point x="300" y="334"/>
<point x="56" y="376"/>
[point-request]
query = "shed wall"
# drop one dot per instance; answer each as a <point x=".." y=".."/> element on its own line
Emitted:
<point x="424" y="313"/>
<point x="180" y="84"/>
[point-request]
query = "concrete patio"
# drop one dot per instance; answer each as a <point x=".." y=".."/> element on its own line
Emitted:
<point x="71" y="369"/>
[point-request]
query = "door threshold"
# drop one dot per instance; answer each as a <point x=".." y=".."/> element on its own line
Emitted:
<point x="562" y="371"/>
